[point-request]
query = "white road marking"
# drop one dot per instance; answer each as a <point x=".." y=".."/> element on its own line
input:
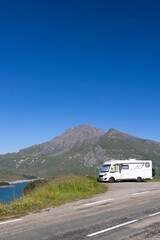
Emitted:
<point x="134" y="194"/>
<point x="98" y="202"/>
<point x="154" y="214"/>
<point x="112" y="228"/>
<point x="11" y="221"/>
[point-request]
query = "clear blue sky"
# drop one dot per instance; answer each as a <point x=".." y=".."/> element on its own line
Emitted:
<point x="65" y="63"/>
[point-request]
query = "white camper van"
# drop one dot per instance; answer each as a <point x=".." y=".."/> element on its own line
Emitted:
<point x="132" y="169"/>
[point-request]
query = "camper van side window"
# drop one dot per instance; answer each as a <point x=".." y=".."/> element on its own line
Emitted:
<point x="125" y="167"/>
<point x="147" y="164"/>
<point x="113" y="168"/>
<point x="117" y="168"/>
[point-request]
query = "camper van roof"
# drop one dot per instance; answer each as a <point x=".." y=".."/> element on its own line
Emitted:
<point x="125" y="161"/>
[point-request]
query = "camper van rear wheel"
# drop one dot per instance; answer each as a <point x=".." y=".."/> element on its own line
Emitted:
<point x="111" y="180"/>
<point x="139" y="179"/>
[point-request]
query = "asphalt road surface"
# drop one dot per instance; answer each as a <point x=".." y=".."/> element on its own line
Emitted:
<point x="129" y="210"/>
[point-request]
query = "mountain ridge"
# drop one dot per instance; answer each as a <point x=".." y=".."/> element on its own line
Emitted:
<point x="80" y="150"/>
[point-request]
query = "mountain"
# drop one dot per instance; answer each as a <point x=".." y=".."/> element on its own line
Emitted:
<point x="67" y="140"/>
<point x="80" y="150"/>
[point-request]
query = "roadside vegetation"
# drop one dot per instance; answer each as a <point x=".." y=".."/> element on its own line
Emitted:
<point x="153" y="180"/>
<point x="52" y="193"/>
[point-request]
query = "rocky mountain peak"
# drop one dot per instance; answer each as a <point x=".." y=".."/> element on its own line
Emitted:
<point x="83" y="131"/>
<point x="113" y="133"/>
<point x="74" y="135"/>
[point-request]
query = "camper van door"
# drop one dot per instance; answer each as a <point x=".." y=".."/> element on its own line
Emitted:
<point x="116" y="171"/>
<point x="125" y="171"/>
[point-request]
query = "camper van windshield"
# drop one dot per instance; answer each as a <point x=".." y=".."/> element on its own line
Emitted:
<point x="105" y="168"/>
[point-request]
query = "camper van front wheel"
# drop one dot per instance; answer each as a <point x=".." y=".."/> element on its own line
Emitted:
<point x="139" y="179"/>
<point x="111" y="180"/>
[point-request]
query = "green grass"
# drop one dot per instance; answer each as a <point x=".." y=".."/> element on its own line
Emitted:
<point x="53" y="193"/>
<point x="153" y="180"/>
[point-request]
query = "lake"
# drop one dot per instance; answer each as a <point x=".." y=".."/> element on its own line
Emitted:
<point x="8" y="195"/>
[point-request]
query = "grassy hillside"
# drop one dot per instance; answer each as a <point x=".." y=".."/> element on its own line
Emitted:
<point x="53" y="193"/>
<point x="124" y="149"/>
<point x="6" y="175"/>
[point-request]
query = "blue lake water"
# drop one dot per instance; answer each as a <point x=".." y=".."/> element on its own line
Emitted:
<point x="8" y="195"/>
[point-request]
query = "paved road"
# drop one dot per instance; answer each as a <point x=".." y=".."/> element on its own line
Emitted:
<point x="129" y="210"/>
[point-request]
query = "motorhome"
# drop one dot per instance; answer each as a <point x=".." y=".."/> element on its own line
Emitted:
<point x="132" y="169"/>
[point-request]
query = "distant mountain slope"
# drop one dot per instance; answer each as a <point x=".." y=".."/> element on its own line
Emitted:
<point x="80" y="150"/>
<point x="6" y="175"/>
